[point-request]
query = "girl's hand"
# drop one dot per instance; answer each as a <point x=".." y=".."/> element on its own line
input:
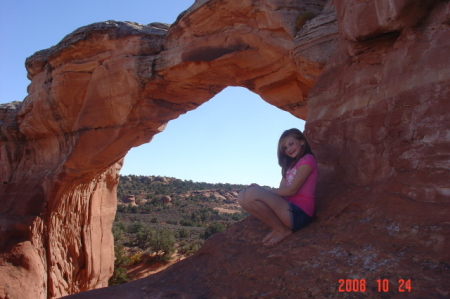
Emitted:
<point x="299" y="179"/>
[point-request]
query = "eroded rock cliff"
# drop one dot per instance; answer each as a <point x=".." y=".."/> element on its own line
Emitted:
<point x="372" y="80"/>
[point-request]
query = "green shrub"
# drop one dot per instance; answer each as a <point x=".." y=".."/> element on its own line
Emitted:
<point x="183" y="233"/>
<point x="135" y="227"/>
<point x="238" y="216"/>
<point x="161" y="242"/>
<point x="120" y="274"/>
<point x="189" y="248"/>
<point x="117" y="230"/>
<point x="121" y="258"/>
<point x="212" y="229"/>
<point x="136" y="258"/>
<point x="122" y="209"/>
<point x="144" y="237"/>
<point x="145" y="209"/>
<point x="173" y="222"/>
<point x="189" y="222"/>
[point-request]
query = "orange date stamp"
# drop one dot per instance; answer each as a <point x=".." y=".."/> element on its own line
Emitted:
<point x="383" y="285"/>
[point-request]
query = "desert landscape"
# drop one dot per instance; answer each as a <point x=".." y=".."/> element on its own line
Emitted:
<point x="163" y="220"/>
<point x="371" y="79"/>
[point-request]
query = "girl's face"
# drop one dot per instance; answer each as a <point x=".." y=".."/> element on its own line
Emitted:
<point x="293" y="147"/>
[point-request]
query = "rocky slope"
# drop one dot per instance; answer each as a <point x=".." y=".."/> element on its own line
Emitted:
<point x="350" y="239"/>
<point x="372" y="80"/>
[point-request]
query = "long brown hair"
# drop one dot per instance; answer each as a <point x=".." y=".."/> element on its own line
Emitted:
<point x="284" y="160"/>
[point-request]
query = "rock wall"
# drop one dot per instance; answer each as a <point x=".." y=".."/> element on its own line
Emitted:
<point x="61" y="154"/>
<point x="387" y="112"/>
<point x="372" y="80"/>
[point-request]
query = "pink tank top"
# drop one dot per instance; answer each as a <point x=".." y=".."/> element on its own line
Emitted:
<point x="304" y="198"/>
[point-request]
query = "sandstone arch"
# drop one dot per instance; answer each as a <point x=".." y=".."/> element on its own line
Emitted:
<point x="110" y="86"/>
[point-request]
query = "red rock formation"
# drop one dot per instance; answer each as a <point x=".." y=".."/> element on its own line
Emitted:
<point x="129" y="199"/>
<point x="376" y="118"/>
<point x="388" y="109"/>
<point x="166" y="200"/>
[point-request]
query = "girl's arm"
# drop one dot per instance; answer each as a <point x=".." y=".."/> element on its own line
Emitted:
<point x="283" y="182"/>
<point x="299" y="179"/>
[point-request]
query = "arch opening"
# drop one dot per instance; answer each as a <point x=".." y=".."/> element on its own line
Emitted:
<point x="232" y="138"/>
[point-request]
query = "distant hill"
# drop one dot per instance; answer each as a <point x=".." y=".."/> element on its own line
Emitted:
<point x="149" y="188"/>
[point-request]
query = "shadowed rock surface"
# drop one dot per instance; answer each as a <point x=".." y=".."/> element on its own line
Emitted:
<point x="372" y="80"/>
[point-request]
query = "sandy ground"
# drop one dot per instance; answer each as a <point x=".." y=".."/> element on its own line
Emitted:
<point x="142" y="269"/>
<point x="229" y="211"/>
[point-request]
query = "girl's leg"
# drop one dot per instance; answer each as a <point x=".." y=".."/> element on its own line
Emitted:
<point x="270" y="208"/>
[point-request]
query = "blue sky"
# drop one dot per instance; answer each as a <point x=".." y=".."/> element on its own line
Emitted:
<point x="230" y="139"/>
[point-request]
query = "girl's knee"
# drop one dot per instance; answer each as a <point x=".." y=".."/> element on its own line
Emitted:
<point x="248" y="195"/>
<point x="241" y="196"/>
<point x="253" y="191"/>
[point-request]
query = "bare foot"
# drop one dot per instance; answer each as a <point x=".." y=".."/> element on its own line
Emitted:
<point x="268" y="237"/>
<point x="277" y="237"/>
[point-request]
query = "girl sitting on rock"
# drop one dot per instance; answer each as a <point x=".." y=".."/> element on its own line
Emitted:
<point x="291" y="206"/>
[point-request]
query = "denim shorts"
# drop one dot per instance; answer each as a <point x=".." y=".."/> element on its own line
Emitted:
<point x="299" y="218"/>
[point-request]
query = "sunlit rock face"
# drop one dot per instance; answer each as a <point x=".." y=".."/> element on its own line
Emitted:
<point x="372" y="80"/>
<point x="62" y="150"/>
<point x="249" y="44"/>
<point x="388" y="109"/>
